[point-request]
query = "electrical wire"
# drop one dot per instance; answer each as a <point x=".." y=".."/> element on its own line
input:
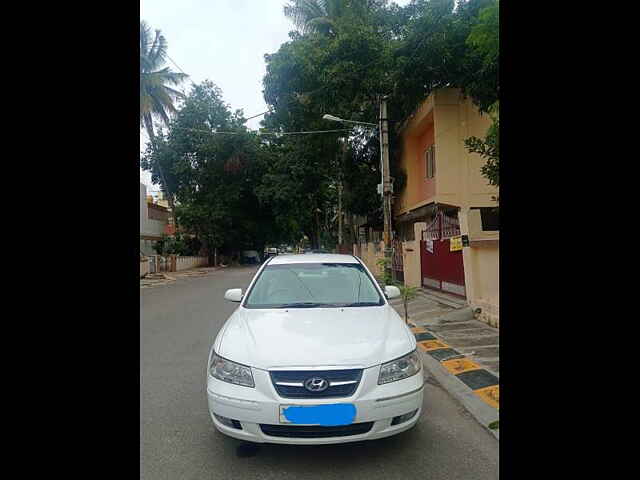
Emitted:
<point x="194" y="84"/>
<point x="258" y="132"/>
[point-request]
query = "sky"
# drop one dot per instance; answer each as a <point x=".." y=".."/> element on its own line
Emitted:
<point x="223" y="41"/>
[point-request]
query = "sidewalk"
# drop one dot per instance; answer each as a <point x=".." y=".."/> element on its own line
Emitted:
<point x="460" y="352"/>
<point x="164" y="278"/>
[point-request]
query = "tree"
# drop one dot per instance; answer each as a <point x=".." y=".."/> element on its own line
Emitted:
<point x="345" y="54"/>
<point x="489" y="148"/>
<point x="156" y="97"/>
<point x="309" y="76"/>
<point x="215" y="165"/>
<point x="484" y="42"/>
<point x="407" y="294"/>
<point x="320" y="16"/>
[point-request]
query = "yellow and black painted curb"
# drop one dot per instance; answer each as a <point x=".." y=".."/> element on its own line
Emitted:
<point x="482" y="382"/>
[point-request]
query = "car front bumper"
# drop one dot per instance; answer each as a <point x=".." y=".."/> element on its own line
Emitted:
<point x="257" y="406"/>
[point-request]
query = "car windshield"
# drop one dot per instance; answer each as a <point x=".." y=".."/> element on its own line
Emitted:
<point x="313" y="285"/>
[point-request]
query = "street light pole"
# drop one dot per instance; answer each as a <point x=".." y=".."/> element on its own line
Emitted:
<point x="386" y="183"/>
<point x="383" y="126"/>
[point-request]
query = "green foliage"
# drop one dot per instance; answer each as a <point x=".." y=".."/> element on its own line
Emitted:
<point x="384" y="264"/>
<point x="484" y="36"/>
<point x="484" y="41"/>
<point x="309" y="76"/>
<point x="178" y="244"/>
<point x="489" y="148"/>
<point x="407" y="294"/>
<point x="159" y="245"/>
<point x="240" y="191"/>
<point x="344" y="55"/>
<point x="156" y="97"/>
<point x="320" y="16"/>
<point x="214" y="175"/>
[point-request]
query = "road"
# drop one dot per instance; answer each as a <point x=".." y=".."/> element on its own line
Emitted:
<point x="178" y="441"/>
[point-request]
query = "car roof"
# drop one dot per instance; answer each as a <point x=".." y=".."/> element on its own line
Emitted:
<point x="313" y="258"/>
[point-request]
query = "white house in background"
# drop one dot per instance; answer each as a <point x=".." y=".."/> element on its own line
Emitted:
<point x="153" y="222"/>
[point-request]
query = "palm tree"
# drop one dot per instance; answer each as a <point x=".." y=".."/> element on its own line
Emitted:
<point x="319" y="16"/>
<point x="156" y="97"/>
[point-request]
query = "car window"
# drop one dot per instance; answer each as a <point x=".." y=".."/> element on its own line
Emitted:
<point x="311" y="285"/>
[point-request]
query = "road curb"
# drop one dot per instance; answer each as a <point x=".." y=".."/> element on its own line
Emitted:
<point x="432" y="357"/>
<point x="483" y="413"/>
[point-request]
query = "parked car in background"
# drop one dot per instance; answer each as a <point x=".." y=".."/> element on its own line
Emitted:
<point x="314" y="354"/>
<point x="250" y="257"/>
<point x="271" y="252"/>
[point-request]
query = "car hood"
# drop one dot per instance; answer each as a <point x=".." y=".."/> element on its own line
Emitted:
<point x="314" y="337"/>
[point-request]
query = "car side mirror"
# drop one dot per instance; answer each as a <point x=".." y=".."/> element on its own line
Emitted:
<point x="391" y="291"/>
<point x="233" y="295"/>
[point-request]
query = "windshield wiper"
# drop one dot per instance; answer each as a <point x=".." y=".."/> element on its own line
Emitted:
<point x="300" y="305"/>
<point x="359" y="304"/>
<point x="324" y="305"/>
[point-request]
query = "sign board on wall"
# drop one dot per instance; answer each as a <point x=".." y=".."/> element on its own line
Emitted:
<point x="429" y="245"/>
<point x="455" y="243"/>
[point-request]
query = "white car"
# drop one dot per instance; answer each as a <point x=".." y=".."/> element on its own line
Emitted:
<point x="314" y="354"/>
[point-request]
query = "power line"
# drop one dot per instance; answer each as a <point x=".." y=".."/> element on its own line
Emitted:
<point x="310" y="131"/>
<point x="194" y="84"/>
<point x="257" y="115"/>
<point x="258" y="132"/>
<point x="178" y="67"/>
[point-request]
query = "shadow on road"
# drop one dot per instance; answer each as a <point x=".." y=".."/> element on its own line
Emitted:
<point x="334" y="455"/>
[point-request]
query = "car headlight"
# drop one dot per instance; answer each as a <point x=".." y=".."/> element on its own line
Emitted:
<point x="400" y="368"/>
<point x="230" y="372"/>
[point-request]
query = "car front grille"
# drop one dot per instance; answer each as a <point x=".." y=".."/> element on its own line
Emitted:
<point x="290" y="383"/>
<point x="305" y="431"/>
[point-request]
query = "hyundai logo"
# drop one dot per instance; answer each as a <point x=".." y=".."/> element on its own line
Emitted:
<point x="316" y="384"/>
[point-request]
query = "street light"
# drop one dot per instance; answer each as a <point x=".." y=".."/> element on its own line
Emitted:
<point x="386" y="179"/>
<point x="332" y="118"/>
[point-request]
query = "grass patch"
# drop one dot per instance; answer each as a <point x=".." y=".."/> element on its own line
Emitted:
<point x="494" y="425"/>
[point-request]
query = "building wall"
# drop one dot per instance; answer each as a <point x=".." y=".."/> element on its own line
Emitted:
<point x="369" y="255"/>
<point x="411" y="257"/>
<point x="185" y="263"/>
<point x="419" y="189"/>
<point x="144" y="267"/>
<point x="146" y="247"/>
<point x="151" y="229"/>
<point x="447" y="119"/>
<point x="481" y="267"/>
<point x="458" y="172"/>
<point x="143" y="208"/>
<point x="155" y="227"/>
<point x="157" y="212"/>
<point x="450" y="157"/>
<point x="484" y="260"/>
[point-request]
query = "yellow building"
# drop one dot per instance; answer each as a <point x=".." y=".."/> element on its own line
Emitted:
<point x="446" y="198"/>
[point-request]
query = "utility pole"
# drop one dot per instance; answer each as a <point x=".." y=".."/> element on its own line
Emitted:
<point x="341" y="164"/>
<point x="386" y="182"/>
<point x="340" y="213"/>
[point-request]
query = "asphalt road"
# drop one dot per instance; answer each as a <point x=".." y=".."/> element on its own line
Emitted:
<point x="178" y="323"/>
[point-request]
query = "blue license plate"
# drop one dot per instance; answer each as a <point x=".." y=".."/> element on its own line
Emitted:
<point x="328" y="415"/>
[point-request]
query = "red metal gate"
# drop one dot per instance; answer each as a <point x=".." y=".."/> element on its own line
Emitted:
<point x="441" y="268"/>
